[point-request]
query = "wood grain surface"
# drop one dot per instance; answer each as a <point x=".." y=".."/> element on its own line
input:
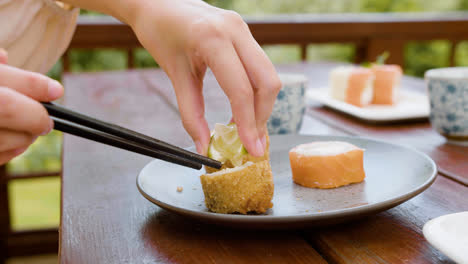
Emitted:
<point x="393" y="236"/>
<point x="105" y="220"/>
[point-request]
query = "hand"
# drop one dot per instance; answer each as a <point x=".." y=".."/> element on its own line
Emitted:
<point x="185" y="37"/>
<point x="22" y="117"/>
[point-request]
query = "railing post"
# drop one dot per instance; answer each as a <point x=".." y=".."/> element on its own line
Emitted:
<point x="453" y="50"/>
<point x="304" y="51"/>
<point x="130" y="59"/>
<point x="4" y="215"/>
<point x="66" y="62"/>
<point x="360" y="52"/>
<point x="395" y="47"/>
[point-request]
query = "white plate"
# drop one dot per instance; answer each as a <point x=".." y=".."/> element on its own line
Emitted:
<point x="449" y="234"/>
<point x="394" y="174"/>
<point x="410" y="105"/>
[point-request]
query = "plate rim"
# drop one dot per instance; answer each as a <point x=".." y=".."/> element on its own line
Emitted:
<point x="436" y="243"/>
<point x="307" y="217"/>
<point x="360" y="112"/>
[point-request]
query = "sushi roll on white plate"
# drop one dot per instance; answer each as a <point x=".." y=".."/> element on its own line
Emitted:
<point x="353" y="85"/>
<point x="386" y="83"/>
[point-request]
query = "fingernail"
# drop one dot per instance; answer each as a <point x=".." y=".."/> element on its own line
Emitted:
<point x="199" y="147"/>
<point x="51" y="126"/>
<point x="19" y="151"/>
<point x="259" y="148"/>
<point x="264" y="141"/>
<point x="55" y="90"/>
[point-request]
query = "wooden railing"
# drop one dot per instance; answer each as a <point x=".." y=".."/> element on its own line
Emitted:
<point x="371" y="34"/>
<point x="25" y="242"/>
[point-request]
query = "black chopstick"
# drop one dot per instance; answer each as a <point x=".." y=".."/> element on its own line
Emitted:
<point x="126" y="135"/>
<point x="112" y="140"/>
<point x="87" y="121"/>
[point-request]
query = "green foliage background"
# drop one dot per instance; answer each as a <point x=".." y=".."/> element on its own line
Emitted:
<point x="35" y="203"/>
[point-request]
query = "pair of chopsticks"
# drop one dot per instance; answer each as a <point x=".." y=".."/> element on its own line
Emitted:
<point x="80" y="125"/>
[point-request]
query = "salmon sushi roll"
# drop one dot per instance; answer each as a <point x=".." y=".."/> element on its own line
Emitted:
<point x="353" y="85"/>
<point x="386" y="83"/>
<point x="327" y="164"/>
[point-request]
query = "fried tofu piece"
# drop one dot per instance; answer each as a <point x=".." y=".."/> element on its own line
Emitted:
<point x="243" y="189"/>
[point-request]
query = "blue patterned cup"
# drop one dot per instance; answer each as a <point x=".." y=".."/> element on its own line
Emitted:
<point x="289" y="107"/>
<point x="448" y="94"/>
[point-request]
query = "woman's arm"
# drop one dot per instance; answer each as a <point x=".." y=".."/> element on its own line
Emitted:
<point x="187" y="36"/>
<point x="121" y="9"/>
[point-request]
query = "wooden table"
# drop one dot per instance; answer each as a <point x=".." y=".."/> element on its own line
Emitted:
<point x="106" y="220"/>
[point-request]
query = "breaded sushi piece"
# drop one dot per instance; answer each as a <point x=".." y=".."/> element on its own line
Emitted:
<point x="327" y="164"/>
<point x="247" y="157"/>
<point x="243" y="189"/>
<point x="353" y="85"/>
<point x="386" y="83"/>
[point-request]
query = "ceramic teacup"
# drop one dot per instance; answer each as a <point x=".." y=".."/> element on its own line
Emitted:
<point x="289" y="107"/>
<point x="448" y="94"/>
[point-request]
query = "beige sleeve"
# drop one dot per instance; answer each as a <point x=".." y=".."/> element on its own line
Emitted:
<point x="36" y="32"/>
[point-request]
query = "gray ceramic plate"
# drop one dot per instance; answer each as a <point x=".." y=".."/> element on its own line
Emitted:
<point x="394" y="174"/>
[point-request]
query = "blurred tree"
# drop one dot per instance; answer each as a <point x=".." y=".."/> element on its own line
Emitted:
<point x="143" y="59"/>
<point x="463" y="5"/>
<point x="330" y="52"/>
<point x="461" y="54"/>
<point x="98" y="60"/>
<point x="226" y="4"/>
<point x="421" y="56"/>
<point x="43" y="155"/>
<point x="56" y="71"/>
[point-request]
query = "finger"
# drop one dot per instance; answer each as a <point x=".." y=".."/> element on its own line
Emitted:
<point x="10" y="140"/>
<point x="34" y="85"/>
<point x="9" y="155"/>
<point x="230" y="74"/>
<point x="3" y="56"/>
<point x="188" y="89"/>
<point x="263" y="134"/>
<point x="261" y="73"/>
<point x="21" y="113"/>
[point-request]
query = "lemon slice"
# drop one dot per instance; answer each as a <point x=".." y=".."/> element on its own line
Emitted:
<point x="225" y="144"/>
